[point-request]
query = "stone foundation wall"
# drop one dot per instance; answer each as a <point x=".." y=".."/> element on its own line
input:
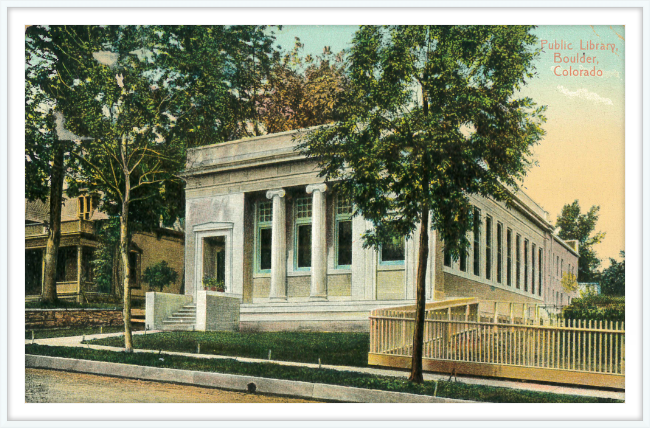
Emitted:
<point x="52" y="318"/>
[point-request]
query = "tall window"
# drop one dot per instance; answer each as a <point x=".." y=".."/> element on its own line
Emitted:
<point x="393" y="252"/>
<point x="509" y="256"/>
<point x="477" y="241"/>
<point x="85" y="207"/>
<point x="561" y="268"/>
<point x="463" y="260"/>
<point x="539" y="288"/>
<point x="532" y="265"/>
<point x="343" y="233"/>
<point x="488" y="247"/>
<point x="557" y="265"/>
<point x="303" y="209"/>
<point x="263" y="236"/>
<point x="525" y="264"/>
<point x="447" y="258"/>
<point x="499" y="251"/>
<point x="518" y="256"/>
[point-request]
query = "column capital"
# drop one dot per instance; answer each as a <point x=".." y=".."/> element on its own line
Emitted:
<point x="275" y="192"/>
<point x="320" y="187"/>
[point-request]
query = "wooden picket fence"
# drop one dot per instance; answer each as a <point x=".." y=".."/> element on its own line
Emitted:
<point x="458" y="336"/>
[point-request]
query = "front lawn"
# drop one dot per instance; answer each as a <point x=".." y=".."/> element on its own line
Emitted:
<point x="342" y="349"/>
<point x="455" y="390"/>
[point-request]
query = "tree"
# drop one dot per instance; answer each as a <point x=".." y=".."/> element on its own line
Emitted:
<point x="431" y="117"/>
<point x="45" y="160"/>
<point x="159" y="275"/>
<point x="575" y="225"/>
<point x="140" y="95"/>
<point x="612" y="279"/>
<point x="569" y="282"/>
<point x="302" y="92"/>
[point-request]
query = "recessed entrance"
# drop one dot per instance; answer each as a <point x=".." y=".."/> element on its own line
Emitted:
<point x="214" y="263"/>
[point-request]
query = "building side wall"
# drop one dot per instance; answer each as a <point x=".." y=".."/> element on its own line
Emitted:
<point x="158" y="247"/>
<point x="390" y="285"/>
<point x="452" y="282"/>
<point x="560" y="261"/>
<point x="339" y="285"/>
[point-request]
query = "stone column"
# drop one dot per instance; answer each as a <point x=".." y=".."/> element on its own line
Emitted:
<point x="318" y="242"/>
<point x="79" y="276"/>
<point x="278" y="246"/>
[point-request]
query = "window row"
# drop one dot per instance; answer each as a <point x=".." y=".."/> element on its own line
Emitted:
<point x="559" y="268"/>
<point x="518" y="262"/>
<point x="390" y="254"/>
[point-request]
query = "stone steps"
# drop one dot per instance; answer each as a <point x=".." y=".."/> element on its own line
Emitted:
<point x="182" y="320"/>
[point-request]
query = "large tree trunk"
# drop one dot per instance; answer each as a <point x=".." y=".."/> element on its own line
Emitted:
<point x="418" y="333"/>
<point x="54" y="229"/>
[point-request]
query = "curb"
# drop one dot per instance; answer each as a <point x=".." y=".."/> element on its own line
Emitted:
<point x="317" y="391"/>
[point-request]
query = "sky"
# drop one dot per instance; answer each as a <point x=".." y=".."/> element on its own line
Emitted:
<point x="582" y="155"/>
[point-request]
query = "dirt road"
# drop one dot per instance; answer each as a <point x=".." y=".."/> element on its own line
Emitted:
<point x="50" y="386"/>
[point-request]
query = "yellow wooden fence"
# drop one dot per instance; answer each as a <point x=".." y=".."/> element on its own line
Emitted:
<point x="458" y="337"/>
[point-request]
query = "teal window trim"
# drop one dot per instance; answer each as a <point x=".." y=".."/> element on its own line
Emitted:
<point x="301" y="221"/>
<point x="262" y="221"/>
<point x="392" y="262"/>
<point x="342" y="213"/>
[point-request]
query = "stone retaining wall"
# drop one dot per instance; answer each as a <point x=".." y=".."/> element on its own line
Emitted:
<point x="51" y="318"/>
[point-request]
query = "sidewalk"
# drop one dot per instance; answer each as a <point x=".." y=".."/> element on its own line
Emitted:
<point x="75" y="341"/>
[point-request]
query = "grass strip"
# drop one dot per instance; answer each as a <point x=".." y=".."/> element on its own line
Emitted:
<point x="77" y="331"/>
<point x="445" y="389"/>
<point x="339" y="349"/>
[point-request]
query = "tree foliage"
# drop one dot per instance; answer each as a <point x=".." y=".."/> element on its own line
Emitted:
<point x="46" y="159"/>
<point x="575" y="225"/>
<point x="569" y="282"/>
<point x="159" y="275"/>
<point x="431" y="116"/>
<point x="596" y="307"/>
<point x="40" y="137"/>
<point x="302" y="92"/>
<point x="395" y="152"/>
<point x="140" y="95"/>
<point x="612" y="279"/>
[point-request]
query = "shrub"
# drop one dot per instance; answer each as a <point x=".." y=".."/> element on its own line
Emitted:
<point x="211" y="283"/>
<point x="596" y="307"/>
<point x="159" y="275"/>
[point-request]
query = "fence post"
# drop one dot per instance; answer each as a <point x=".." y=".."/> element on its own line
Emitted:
<point x="448" y="333"/>
<point x="524" y="313"/>
<point x="623" y="349"/>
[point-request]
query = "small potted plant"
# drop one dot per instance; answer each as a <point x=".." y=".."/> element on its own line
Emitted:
<point x="213" y="284"/>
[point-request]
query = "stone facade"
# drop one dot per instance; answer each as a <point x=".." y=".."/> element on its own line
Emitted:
<point x="56" y="318"/>
<point x="293" y="253"/>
